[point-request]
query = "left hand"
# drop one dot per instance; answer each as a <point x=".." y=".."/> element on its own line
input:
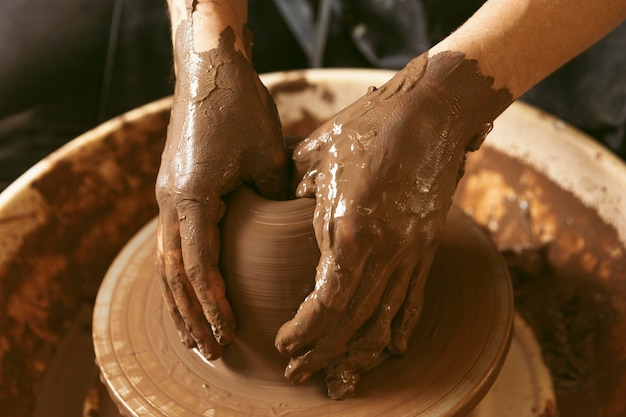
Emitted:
<point x="224" y="131"/>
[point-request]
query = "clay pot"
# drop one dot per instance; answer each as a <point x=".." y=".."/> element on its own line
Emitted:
<point x="63" y="222"/>
<point x="268" y="260"/>
<point x="459" y="346"/>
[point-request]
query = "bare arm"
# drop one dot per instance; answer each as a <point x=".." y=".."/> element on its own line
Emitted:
<point x="210" y="18"/>
<point x="520" y="42"/>
<point x="423" y="121"/>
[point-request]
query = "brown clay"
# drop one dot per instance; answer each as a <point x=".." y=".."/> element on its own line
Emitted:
<point x="382" y="171"/>
<point x="269" y="255"/>
<point x="462" y="337"/>
<point x="568" y="270"/>
<point x="218" y="95"/>
<point x="78" y="208"/>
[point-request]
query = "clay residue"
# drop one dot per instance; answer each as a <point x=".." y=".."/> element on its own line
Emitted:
<point x="94" y="199"/>
<point x="293" y="85"/>
<point x="299" y="84"/>
<point x="307" y="121"/>
<point x="224" y="131"/>
<point x="377" y="222"/>
<point x="568" y="270"/>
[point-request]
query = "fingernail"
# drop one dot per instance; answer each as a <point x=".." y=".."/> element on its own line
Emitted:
<point x="210" y="353"/>
<point x="283" y="346"/>
<point x="187" y="340"/>
<point x="297" y="377"/>
<point x="207" y="354"/>
<point x="341" y="384"/>
<point x="223" y="335"/>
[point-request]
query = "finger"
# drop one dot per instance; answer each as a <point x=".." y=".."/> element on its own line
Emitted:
<point x="308" y="154"/>
<point x="406" y="320"/>
<point x="336" y="282"/>
<point x="369" y="349"/>
<point x="181" y="291"/>
<point x="270" y="175"/>
<point x="200" y="244"/>
<point x="185" y="337"/>
<point x="376" y="333"/>
<point x="342" y="376"/>
<point x="341" y="266"/>
<point x="170" y="303"/>
<point x="307" y="187"/>
<point x="341" y="379"/>
<point x="189" y="308"/>
<point x="332" y="345"/>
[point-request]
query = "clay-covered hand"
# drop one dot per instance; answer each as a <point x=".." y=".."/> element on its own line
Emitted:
<point x="224" y="130"/>
<point x="383" y="172"/>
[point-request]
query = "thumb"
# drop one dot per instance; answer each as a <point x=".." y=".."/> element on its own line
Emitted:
<point x="270" y="175"/>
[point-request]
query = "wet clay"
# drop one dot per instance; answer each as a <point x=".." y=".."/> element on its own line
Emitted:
<point x="382" y="179"/>
<point x="568" y="267"/>
<point x="463" y="333"/>
<point x="224" y="130"/>
<point x="57" y="242"/>
<point x="268" y="258"/>
<point x="93" y="196"/>
<point x="568" y="271"/>
<point x="221" y="90"/>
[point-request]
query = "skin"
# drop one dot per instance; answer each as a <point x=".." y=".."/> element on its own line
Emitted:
<point x="519" y="43"/>
<point x="377" y="223"/>
<point x="216" y="87"/>
<point x="396" y="153"/>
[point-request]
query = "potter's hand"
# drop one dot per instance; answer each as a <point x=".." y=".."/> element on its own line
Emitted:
<point x="224" y="130"/>
<point x="383" y="172"/>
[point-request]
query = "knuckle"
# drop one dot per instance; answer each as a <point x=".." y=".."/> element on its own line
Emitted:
<point x="353" y="233"/>
<point x="175" y="283"/>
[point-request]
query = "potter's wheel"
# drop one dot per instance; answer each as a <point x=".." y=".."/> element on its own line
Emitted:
<point x="65" y="220"/>
<point x="456" y="353"/>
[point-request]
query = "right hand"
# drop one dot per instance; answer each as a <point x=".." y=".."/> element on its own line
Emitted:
<point x="224" y="130"/>
<point x="383" y="172"/>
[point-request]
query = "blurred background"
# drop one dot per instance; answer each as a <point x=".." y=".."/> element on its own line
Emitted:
<point x="69" y="65"/>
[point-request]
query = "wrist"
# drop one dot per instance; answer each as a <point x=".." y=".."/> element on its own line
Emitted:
<point x="461" y="102"/>
<point x="205" y="21"/>
<point x="446" y="107"/>
<point x="467" y="98"/>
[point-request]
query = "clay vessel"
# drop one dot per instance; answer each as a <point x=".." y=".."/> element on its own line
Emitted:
<point x="458" y="349"/>
<point x="65" y="220"/>
<point x="268" y="261"/>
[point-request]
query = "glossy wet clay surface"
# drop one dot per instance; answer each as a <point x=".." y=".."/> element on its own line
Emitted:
<point x="63" y="224"/>
<point x="457" y="351"/>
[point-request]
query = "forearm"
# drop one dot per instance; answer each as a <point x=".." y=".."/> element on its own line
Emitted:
<point x="520" y="42"/>
<point x="209" y="18"/>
